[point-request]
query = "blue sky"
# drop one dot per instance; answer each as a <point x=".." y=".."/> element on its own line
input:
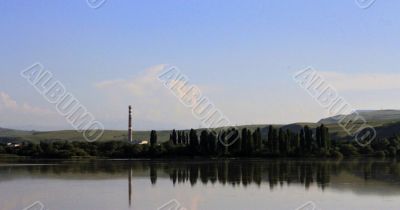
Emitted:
<point x="242" y="54"/>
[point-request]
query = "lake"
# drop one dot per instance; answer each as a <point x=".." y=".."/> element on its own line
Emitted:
<point x="199" y="184"/>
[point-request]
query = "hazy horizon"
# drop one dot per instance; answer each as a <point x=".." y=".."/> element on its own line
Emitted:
<point x="204" y="127"/>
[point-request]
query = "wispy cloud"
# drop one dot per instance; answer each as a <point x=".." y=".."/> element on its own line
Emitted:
<point x="152" y="102"/>
<point x="142" y="83"/>
<point x="155" y="106"/>
<point x="363" y="81"/>
<point x="22" y="115"/>
<point x="9" y="104"/>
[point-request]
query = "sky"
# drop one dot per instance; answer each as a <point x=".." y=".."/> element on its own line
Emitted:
<point x="241" y="54"/>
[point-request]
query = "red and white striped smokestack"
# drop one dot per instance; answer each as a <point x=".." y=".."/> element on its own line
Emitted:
<point x="130" y="125"/>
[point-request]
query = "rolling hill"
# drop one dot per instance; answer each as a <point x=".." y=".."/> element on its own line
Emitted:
<point x="385" y="116"/>
<point x="386" y="122"/>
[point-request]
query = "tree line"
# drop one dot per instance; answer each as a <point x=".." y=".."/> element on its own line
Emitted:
<point x="245" y="142"/>
<point x="271" y="142"/>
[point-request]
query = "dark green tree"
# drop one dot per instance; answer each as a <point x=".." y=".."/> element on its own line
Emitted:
<point x="319" y="136"/>
<point x="275" y="140"/>
<point x="244" y="141"/>
<point x="174" y="137"/>
<point x="212" y="143"/>
<point x="288" y="141"/>
<point x="194" y="140"/>
<point x="180" y="137"/>
<point x="238" y="144"/>
<point x="302" y="141"/>
<point x="308" y="138"/>
<point x="250" y="143"/>
<point x="153" y="138"/>
<point x="296" y="143"/>
<point x="257" y="139"/>
<point x="282" y="142"/>
<point x="270" y="144"/>
<point x="187" y="139"/>
<point x="204" y="142"/>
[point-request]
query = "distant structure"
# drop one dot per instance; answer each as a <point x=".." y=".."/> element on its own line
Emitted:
<point x="140" y="142"/>
<point x="130" y="125"/>
<point x="130" y="136"/>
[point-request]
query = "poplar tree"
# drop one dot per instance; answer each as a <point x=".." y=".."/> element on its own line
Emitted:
<point x="179" y="137"/>
<point x="288" y="142"/>
<point x="282" y="143"/>
<point x="212" y="143"/>
<point x="270" y="144"/>
<point x="174" y="137"/>
<point x="275" y="140"/>
<point x="250" y="143"/>
<point x="257" y="139"/>
<point x="153" y="138"/>
<point x="302" y="141"/>
<point x="308" y="137"/>
<point x="203" y="142"/>
<point x="194" y="141"/>
<point x="187" y="139"/>
<point x="320" y="136"/>
<point x="244" y="141"/>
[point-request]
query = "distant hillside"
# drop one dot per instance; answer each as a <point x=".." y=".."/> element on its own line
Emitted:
<point x="386" y="122"/>
<point x="296" y="127"/>
<point x="7" y="135"/>
<point x="13" y="133"/>
<point x="386" y="116"/>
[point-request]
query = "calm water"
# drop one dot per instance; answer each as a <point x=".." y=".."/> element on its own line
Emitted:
<point x="230" y="184"/>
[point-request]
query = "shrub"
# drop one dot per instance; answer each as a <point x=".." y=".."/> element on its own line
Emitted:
<point x="337" y="154"/>
<point x="380" y="154"/>
<point x="348" y="150"/>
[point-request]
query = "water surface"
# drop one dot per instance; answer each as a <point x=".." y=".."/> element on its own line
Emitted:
<point x="225" y="184"/>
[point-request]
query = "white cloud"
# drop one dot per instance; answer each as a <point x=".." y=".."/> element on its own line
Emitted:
<point x="152" y="102"/>
<point x="22" y="115"/>
<point x="26" y="108"/>
<point x="362" y="81"/>
<point x="8" y="104"/>
<point x="156" y="107"/>
<point x="140" y="84"/>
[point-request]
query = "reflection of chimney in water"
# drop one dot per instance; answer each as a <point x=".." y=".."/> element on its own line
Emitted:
<point x="130" y="186"/>
<point x="130" y="125"/>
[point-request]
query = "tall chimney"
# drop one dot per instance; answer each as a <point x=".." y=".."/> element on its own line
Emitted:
<point x="130" y="125"/>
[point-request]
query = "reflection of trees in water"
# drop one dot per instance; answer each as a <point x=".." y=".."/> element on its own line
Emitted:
<point x="153" y="174"/>
<point x="227" y="172"/>
<point x="252" y="172"/>
<point x="376" y="170"/>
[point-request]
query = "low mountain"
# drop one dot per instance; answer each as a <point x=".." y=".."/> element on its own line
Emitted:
<point x="384" y="116"/>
